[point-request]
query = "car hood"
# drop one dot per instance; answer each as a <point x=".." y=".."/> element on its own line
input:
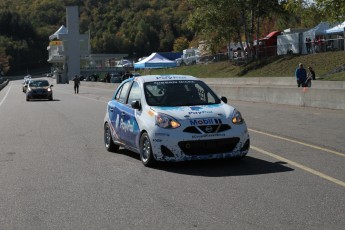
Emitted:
<point x="194" y="112"/>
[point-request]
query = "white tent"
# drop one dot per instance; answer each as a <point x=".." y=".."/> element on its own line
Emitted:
<point x="337" y="29"/>
<point x="61" y="30"/>
<point x="290" y="40"/>
<point x="154" y="61"/>
<point x="319" y="30"/>
<point x="287" y="42"/>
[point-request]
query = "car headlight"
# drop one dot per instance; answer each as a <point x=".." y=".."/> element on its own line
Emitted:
<point x="237" y="118"/>
<point x="49" y="89"/>
<point x="167" y="122"/>
<point x="28" y="89"/>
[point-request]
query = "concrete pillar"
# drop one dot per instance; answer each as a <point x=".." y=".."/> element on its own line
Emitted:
<point x="73" y="39"/>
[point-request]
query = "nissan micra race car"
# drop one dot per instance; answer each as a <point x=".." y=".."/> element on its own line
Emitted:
<point x="173" y="118"/>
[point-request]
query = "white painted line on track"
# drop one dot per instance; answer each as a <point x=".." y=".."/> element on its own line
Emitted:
<point x="299" y="142"/>
<point x="307" y="169"/>
<point x="2" y="101"/>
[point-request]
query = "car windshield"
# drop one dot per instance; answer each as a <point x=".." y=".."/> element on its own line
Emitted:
<point x="179" y="93"/>
<point x="39" y="83"/>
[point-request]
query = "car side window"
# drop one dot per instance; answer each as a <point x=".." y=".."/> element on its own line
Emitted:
<point x="135" y="93"/>
<point x="122" y="94"/>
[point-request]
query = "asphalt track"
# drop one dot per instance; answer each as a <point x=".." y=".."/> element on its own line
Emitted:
<point x="56" y="174"/>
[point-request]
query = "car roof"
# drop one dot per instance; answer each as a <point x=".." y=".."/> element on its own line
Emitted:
<point x="167" y="77"/>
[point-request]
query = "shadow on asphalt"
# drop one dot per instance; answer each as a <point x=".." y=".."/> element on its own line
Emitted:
<point x="38" y="100"/>
<point x="217" y="168"/>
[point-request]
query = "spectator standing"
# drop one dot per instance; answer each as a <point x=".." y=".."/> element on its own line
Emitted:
<point x="308" y="44"/>
<point x="314" y="45"/>
<point x="310" y="76"/>
<point x="76" y="84"/>
<point x="311" y="73"/>
<point x="319" y="44"/>
<point x="301" y="75"/>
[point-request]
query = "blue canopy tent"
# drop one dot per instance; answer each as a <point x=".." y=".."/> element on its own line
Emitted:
<point x="154" y="61"/>
<point x="336" y="29"/>
<point x="336" y="37"/>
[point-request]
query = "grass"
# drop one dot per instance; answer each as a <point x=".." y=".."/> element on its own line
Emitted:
<point x="327" y="66"/>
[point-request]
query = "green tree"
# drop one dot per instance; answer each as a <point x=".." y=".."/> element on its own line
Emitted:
<point x="180" y="44"/>
<point x="4" y="61"/>
<point x="333" y="10"/>
<point x="220" y="21"/>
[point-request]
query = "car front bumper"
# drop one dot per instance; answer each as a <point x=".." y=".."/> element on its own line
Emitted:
<point x="184" y="147"/>
<point x="44" y="94"/>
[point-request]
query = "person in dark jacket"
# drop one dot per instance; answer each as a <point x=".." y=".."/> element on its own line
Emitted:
<point x="301" y="75"/>
<point x="76" y="83"/>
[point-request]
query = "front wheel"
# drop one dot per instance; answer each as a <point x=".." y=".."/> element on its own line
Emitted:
<point x="146" y="154"/>
<point x="108" y="140"/>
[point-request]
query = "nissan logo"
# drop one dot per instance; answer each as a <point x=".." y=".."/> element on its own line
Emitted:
<point x="208" y="129"/>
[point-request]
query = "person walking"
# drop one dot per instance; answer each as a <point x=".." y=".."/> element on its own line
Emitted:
<point x="76" y="84"/>
<point x="107" y="77"/>
<point x="301" y="75"/>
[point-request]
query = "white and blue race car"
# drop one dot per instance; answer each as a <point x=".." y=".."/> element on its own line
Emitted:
<point x="173" y="118"/>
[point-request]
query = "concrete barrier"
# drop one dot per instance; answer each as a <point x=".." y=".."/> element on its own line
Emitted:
<point x="309" y="97"/>
<point x="279" y="90"/>
<point x="2" y="85"/>
<point x="273" y="81"/>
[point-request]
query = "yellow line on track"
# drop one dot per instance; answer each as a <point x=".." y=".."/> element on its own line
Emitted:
<point x="307" y="169"/>
<point x="299" y="142"/>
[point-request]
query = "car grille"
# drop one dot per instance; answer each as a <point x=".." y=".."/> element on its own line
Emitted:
<point x="39" y="91"/>
<point x="207" y="129"/>
<point x="203" y="147"/>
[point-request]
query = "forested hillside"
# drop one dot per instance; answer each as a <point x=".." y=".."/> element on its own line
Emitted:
<point x="115" y="26"/>
<point x="140" y="27"/>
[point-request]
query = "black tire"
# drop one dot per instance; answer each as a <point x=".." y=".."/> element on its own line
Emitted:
<point x="27" y="98"/>
<point x="146" y="155"/>
<point x="108" y="140"/>
<point x="51" y="98"/>
<point x="239" y="158"/>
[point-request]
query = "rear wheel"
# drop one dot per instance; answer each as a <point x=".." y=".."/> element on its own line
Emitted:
<point x="146" y="154"/>
<point x="108" y="140"/>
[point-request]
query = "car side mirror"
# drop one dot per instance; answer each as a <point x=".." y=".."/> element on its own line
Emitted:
<point x="136" y="105"/>
<point x="224" y="99"/>
<point x="51" y="85"/>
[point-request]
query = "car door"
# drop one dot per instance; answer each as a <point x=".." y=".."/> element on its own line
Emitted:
<point x="129" y="129"/>
<point x="115" y="109"/>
